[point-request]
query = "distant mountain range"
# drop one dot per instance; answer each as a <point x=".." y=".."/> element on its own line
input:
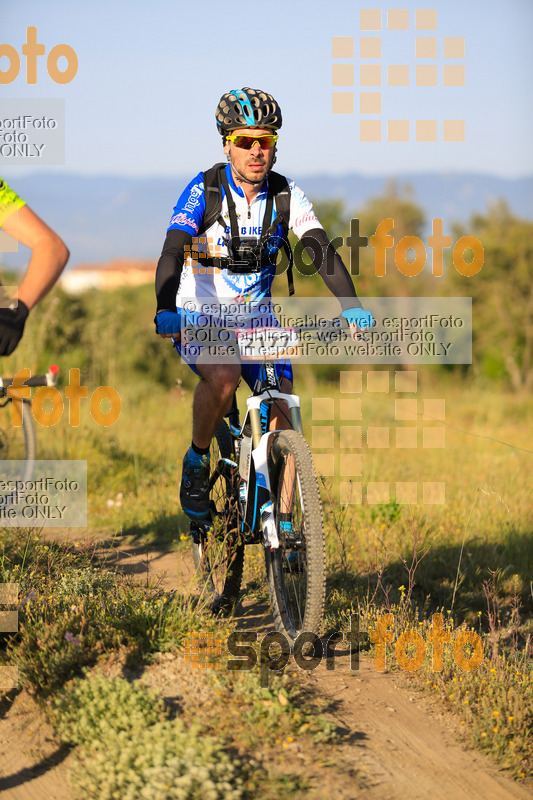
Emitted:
<point x="107" y="217"/>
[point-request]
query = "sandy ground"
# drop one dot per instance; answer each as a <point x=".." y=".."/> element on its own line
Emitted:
<point x="396" y="742"/>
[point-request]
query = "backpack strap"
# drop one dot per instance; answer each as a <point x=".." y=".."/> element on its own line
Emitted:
<point x="279" y="187"/>
<point x="234" y="225"/>
<point x="278" y="190"/>
<point x="213" y="197"/>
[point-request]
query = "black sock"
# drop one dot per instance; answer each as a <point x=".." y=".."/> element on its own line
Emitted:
<point x="200" y="451"/>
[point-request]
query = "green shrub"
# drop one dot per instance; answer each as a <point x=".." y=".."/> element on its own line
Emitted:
<point x="128" y="750"/>
<point x="266" y="713"/>
<point x="89" y="709"/>
<point x="166" y="761"/>
<point x="68" y="622"/>
<point x="84" y="582"/>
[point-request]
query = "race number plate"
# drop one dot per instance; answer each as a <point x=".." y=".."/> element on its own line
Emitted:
<point x="267" y="344"/>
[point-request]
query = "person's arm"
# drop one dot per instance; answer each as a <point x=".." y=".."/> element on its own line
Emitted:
<point x="167" y="280"/>
<point x="48" y="257"/>
<point x="330" y="267"/>
<point x="184" y="223"/>
<point x="169" y="267"/>
<point x="326" y="260"/>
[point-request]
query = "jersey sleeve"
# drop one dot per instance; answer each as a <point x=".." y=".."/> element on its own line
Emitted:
<point x="9" y="201"/>
<point x="189" y="210"/>
<point x="302" y="215"/>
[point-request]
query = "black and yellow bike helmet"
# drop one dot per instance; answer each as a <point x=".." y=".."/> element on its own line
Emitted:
<point x="247" y="107"/>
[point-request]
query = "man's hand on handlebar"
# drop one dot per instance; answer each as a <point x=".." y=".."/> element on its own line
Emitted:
<point x="168" y="324"/>
<point x="359" y="320"/>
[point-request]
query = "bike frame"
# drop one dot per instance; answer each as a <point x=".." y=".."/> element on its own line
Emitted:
<point x="259" y="491"/>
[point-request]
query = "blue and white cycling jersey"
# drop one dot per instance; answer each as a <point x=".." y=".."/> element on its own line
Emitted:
<point x="222" y="286"/>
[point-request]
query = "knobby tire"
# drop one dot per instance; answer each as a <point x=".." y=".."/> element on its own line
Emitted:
<point x="296" y="571"/>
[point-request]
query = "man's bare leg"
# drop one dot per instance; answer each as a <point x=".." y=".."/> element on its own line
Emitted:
<point x="212" y="399"/>
<point x="280" y="419"/>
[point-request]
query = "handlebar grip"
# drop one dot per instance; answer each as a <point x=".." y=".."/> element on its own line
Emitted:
<point x="37" y="380"/>
<point x="50" y="379"/>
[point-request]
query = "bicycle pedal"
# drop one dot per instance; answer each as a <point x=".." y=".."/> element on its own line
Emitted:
<point x="227" y="467"/>
<point x="199" y="528"/>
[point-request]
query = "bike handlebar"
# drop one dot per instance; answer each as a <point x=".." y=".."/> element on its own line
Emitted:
<point x="50" y="379"/>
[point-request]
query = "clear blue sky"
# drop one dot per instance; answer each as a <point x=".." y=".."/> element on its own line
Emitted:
<point x="151" y="73"/>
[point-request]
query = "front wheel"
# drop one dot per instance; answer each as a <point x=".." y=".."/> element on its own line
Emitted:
<point x="296" y="571"/>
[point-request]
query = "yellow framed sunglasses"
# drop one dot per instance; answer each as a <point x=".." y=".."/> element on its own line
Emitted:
<point x="247" y="142"/>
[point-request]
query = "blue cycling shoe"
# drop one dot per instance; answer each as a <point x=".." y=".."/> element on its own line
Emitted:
<point x="194" y="489"/>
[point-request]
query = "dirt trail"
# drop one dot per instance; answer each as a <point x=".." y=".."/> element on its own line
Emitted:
<point x="400" y="741"/>
<point x="403" y="744"/>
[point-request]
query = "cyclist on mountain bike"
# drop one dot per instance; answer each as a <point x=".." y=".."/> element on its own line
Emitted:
<point x="235" y="264"/>
<point x="48" y="258"/>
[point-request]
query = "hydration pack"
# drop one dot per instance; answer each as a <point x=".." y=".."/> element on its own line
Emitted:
<point x="249" y="255"/>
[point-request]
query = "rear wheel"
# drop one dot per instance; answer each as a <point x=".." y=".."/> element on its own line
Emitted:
<point x="296" y="571"/>
<point x="218" y="551"/>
